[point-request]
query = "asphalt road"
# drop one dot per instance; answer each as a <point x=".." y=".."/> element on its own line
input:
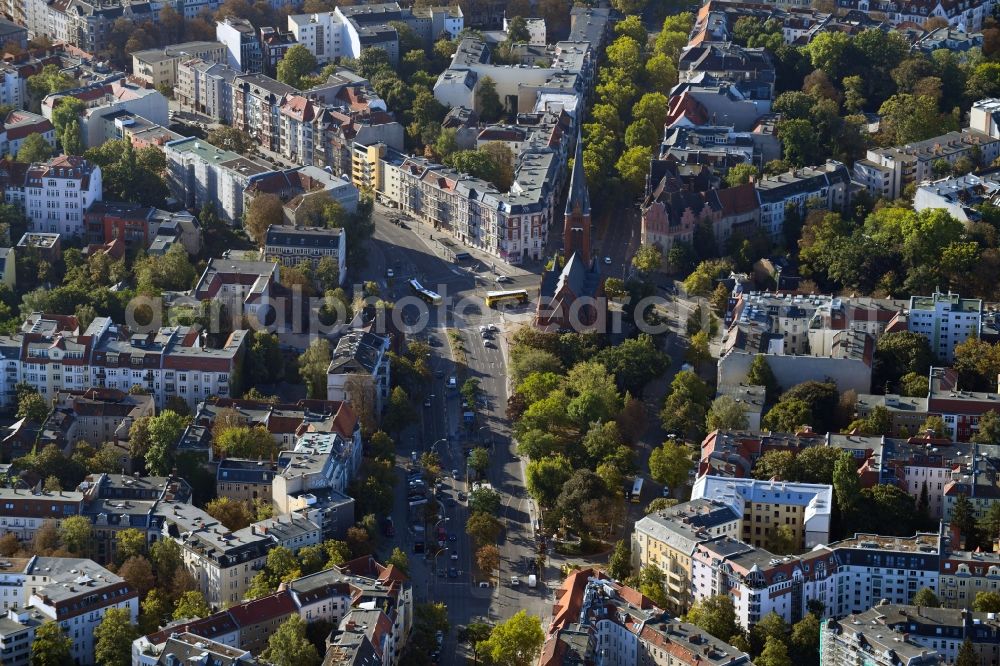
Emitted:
<point x="412" y="252"/>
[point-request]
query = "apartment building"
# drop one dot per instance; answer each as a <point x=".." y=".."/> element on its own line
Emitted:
<point x="967" y="16"/>
<point x="846" y="360"/>
<point x="960" y="196"/>
<point x="140" y="227"/>
<point x="24" y="511"/>
<point x="55" y="194"/>
<point x="291" y="246"/>
<point x="360" y="358"/>
<point x="285" y="421"/>
<point x="244" y="480"/>
<point x="243" y="49"/>
<point x="86" y="24"/>
<point x="198" y="173"/>
<point x="246" y="287"/>
<point x="73" y="592"/>
<point x="597" y="620"/>
<point x="912" y="635"/>
<point x="206" y="87"/>
<point x="667" y="540"/>
<point x="94" y="416"/>
<point x="946" y="320"/>
<point x="222" y="562"/>
<point x="159" y="66"/>
<point x="362" y="593"/>
<point x="764" y="506"/>
<point x="965" y="574"/>
<point x="827" y="186"/>
<point x="19" y="125"/>
<point x="319" y="461"/>
<point x="186" y="647"/>
<point x="105" y="101"/>
<point x="17" y="634"/>
<point x="51" y="353"/>
<point x="298" y="186"/>
<point x="887" y="171"/>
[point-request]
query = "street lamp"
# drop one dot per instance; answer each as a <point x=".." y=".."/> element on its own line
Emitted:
<point x="443" y="439"/>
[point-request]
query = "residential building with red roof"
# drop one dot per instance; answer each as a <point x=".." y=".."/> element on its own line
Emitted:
<point x="598" y="620"/>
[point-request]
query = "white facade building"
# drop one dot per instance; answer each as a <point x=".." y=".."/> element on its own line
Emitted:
<point x="946" y="320"/>
<point x="56" y="194"/>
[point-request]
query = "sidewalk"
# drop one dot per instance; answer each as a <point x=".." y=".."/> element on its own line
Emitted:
<point x="426" y="231"/>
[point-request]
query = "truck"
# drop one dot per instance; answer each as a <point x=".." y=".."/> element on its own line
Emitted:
<point x="532" y="580"/>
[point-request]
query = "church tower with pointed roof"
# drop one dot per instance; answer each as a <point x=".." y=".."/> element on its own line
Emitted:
<point x="576" y="223"/>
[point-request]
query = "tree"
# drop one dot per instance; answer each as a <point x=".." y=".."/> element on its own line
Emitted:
<point x="297" y="63"/>
<point x="479" y="460"/>
<point x="741" y="174"/>
<point x="34" y="148"/>
<point x="165" y="555"/>
<point x="32" y="406"/>
<point x="165" y="431"/>
<point x="191" y="605"/>
<point x="52" y="647"/>
<point x="288" y="646"/>
<point x="484" y="500"/>
<point x="75" y="533"/>
<point x="987" y="602"/>
<point x="488" y="559"/>
<point x="544" y="478"/>
<point x="925" y="597"/>
<point x="400" y="411"/>
<point x="130" y="542"/>
<point x="244" y="442"/>
<point x="488" y="102"/>
<point x="760" y="374"/>
<point x="648" y="258"/>
<point x="113" y="638"/>
<point x="788" y="416"/>
<point x="484" y="528"/>
<point x="771" y="626"/>
<point x="716" y="615"/>
<point x="231" y="138"/>
<point x="620" y="564"/>
<point x="399" y="560"/>
<point x="72" y="139"/>
<point x="805" y="639"/>
<point x="775" y="652"/>
<point x="264" y="211"/>
<point x="846" y="485"/>
<point x="653" y="107"/>
<point x="775" y="465"/>
<point x="633" y="165"/>
<point x="800" y="140"/>
<point x="233" y="514"/>
<point x="154" y="611"/>
<point x="139" y="573"/>
<point x="967" y="654"/>
<point x="963" y="517"/>
<point x="670" y="463"/>
<point x="661" y="504"/>
<point x="313" y="365"/>
<point x="652" y="583"/>
<point x="515" y="642"/>
<point x="67" y="109"/>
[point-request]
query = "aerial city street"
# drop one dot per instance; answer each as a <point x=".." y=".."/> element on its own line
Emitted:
<point x="501" y="332"/>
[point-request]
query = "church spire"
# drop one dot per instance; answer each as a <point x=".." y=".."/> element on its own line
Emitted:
<point x="576" y="223"/>
<point x="578" y="194"/>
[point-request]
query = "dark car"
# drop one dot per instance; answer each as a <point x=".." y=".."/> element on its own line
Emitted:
<point x="452" y="572"/>
<point x="452" y="537"/>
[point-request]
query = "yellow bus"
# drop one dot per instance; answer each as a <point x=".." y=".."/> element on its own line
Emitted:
<point x="495" y="298"/>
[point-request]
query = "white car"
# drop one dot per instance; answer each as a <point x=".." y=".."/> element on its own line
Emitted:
<point x="389" y="273"/>
<point x="607" y="260"/>
<point x="493" y="328"/>
<point x="503" y="279"/>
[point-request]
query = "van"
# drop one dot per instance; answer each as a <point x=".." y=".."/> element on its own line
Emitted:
<point x="452" y="383"/>
<point x="462" y="256"/>
<point x="532" y="580"/>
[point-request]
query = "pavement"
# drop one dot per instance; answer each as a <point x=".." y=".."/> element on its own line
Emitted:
<point x="412" y="251"/>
